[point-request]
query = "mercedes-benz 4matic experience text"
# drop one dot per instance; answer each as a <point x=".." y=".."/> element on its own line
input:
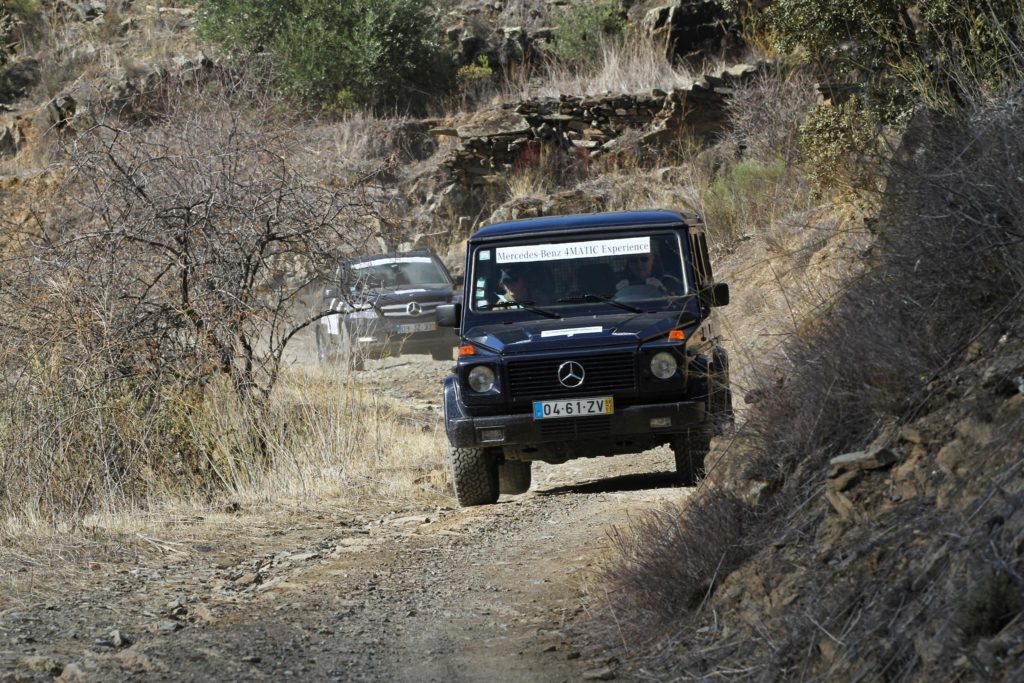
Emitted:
<point x="583" y="336"/>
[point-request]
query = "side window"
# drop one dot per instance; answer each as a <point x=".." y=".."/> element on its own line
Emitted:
<point x="702" y="244"/>
<point x="698" y="264"/>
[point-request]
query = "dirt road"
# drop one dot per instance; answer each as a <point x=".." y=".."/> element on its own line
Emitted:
<point x="370" y="594"/>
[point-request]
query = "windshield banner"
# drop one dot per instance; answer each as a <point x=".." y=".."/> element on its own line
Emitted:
<point x="573" y="250"/>
<point x="390" y="261"/>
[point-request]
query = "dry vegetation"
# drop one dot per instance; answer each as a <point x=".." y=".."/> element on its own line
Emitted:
<point x="851" y="315"/>
<point x="935" y="278"/>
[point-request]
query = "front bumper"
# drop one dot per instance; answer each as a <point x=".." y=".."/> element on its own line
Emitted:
<point x="522" y="429"/>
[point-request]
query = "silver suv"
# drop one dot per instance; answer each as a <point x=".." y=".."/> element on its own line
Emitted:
<point x="387" y="306"/>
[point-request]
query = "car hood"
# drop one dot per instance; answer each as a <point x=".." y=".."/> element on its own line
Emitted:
<point x="627" y="329"/>
<point x="383" y="297"/>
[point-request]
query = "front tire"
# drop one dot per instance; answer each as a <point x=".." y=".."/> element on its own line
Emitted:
<point x="514" y="477"/>
<point x="475" y="475"/>
<point x="322" y="353"/>
<point x="349" y="354"/>
<point x="690" y="450"/>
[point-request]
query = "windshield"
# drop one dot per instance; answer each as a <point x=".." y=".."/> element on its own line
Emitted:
<point x="397" y="273"/>
<point x="639" y="272"/>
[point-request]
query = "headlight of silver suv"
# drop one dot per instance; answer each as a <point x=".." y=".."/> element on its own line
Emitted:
<point x="481" y="379"/>
<point x="663" y="365"/>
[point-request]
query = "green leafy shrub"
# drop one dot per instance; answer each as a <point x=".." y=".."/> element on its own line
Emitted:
<point x="942" y="52"/>
<point x="474" y="79"/>
<point x="379" y="53"/>
<point x="583" y="28"/>
<point x="836" y="143"/>
<point x="743" y="197"/>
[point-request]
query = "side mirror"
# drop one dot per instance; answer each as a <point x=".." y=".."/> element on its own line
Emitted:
<point x="716" y="295"/>
<point x="449" y="315"/>
<point x="460" y="281"/>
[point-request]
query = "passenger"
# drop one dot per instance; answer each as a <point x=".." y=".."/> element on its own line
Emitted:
<point x="639" y="271"/>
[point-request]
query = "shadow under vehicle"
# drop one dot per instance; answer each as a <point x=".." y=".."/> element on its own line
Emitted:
<point x="584" y="336"/>
<point x="387" y="306"/>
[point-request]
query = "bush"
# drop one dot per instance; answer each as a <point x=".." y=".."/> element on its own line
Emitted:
<point x="378" y="53"/>
<point x="947" y="259"/>
<point x="583" y="30"/>
<point x="837" y="144"/>
<point x="670" y="562"/>
<point x="744" y="198"/>
<point x="169" y="265"/>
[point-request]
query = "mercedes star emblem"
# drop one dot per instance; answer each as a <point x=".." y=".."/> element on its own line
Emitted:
<point x="413" y="308"/>
<point x="570" y="374"/>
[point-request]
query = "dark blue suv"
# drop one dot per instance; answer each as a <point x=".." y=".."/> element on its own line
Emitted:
<point x="583" y="336"/>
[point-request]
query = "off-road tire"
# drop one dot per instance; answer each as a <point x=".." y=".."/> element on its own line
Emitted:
<point x="690" y="450"/>
<point x="720" y="395"/>
<point x="348" y="354"/>
<point x="323" y="355"/>
<point x="514" y="477"/>
<point x="475" y="475"/>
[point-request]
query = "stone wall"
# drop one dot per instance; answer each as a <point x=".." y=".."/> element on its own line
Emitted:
<point x="491" y="143"/>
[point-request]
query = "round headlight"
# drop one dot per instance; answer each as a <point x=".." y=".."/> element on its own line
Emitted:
<point x="481" y="378"/>
<point x="663" y="365"/>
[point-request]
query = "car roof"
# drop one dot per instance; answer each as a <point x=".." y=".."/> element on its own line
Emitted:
<point x="609" y="220"/>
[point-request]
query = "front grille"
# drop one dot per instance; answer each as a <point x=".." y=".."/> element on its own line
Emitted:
<point x="605" y="374"/>
<point x="567" y="429"/>
<point x="428" y="310"/>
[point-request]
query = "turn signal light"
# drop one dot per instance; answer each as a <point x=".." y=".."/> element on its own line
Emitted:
<point x="467" y="350"/>
<point x="677" y="335"/>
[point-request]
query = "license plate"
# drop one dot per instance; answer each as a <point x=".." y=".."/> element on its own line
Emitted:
<point x="573" y="407"/>
<point x="416" y="327"/>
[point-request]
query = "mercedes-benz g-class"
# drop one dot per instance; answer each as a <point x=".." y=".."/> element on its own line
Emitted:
<point x="583" y="336"/>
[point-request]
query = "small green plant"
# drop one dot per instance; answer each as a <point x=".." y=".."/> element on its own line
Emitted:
<point x="473" y="79"/>
<point x="836" y="144"/>
<point x="743" y="198"/>
<point x="582" y="30"/>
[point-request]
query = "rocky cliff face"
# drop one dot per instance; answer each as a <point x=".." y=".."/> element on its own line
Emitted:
<point x="905" y="561"/>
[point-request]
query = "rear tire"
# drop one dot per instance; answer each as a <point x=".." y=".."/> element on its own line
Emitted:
<point x="514" y="477"/>
<point x="475" y="475"/>
<point x="690" y="450"/>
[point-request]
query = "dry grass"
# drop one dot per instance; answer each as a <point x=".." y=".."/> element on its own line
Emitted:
<point x="670" y="562"/>
<point x="630" y="66"/>
<point x="328" y="438"/>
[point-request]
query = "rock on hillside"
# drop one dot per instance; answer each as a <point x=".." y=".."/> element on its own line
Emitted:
<point x="909" y="556"/>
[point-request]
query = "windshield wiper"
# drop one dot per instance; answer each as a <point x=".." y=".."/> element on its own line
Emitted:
<point x="526" y="305"/>
<point x="603" y="299"/>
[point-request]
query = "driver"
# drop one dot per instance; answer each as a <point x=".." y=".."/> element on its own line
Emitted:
<point x="515" y="283"/>
<point x="639" y="271"/>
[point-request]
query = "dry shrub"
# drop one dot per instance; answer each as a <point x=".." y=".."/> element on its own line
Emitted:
<point x="750" y="182"/>
<point x="670" y="562"/>
<point x="541" y="169"/>
<point x="168" y="266"/>
<point x="629" y="66"/>
<point x="946" y="265"/>
<point x="765" y="113"/>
